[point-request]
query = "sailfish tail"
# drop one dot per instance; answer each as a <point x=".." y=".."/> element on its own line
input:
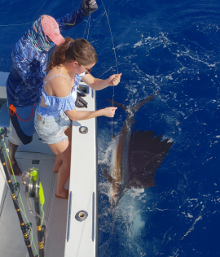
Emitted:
<point x="113" y="222"/>
<point x="114" y="206"/>
<point x="138" y="106"/>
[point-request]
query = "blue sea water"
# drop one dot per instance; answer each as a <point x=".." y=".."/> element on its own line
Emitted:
<point x="173" y="46"/>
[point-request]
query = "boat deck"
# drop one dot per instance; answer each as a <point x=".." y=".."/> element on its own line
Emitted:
<point x="71" y="224"/>
<point x="11" y="237"/>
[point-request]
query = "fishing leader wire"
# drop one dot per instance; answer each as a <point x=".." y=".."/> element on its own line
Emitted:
<point x="89" y="24"/>
<point x="111" y="36"/>
<point x="116" y="61"/>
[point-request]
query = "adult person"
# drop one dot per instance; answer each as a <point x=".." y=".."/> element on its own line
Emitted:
<point x="24" y="83"/>
<point x="68" y="65"/>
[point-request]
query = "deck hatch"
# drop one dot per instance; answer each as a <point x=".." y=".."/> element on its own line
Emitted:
<point x="35" y="161"/>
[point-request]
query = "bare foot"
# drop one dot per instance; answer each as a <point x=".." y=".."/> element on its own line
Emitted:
<point x="63" y="195"/>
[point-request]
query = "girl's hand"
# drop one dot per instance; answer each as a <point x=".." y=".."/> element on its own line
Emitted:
<point x="114" y="80"/>
<point x="109" y="111"/>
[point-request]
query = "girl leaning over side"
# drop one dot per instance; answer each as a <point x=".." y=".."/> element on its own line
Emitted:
<point x="68" y="65"/>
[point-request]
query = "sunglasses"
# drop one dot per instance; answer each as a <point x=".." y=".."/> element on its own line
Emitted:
<point x="88" y="70"/>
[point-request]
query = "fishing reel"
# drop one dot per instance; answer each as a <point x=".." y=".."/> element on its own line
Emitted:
<point x="34" y="189"/>
<point x="33" y="184"/>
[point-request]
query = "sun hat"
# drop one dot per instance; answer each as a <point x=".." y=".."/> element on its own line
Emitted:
<point x="51" y="29"/>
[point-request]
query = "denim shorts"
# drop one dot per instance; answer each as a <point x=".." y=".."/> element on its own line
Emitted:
<point x="51" y="130"/>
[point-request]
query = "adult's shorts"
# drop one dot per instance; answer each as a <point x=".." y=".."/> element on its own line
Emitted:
<point x="21" y="124"/>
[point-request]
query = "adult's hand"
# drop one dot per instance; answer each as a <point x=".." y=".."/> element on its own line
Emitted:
<point x="89" y="6"/>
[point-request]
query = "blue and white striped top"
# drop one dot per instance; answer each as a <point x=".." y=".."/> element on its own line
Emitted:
<point x="58" y="105"/>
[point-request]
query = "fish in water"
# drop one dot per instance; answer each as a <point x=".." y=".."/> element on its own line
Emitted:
<point x="138" y="156"/>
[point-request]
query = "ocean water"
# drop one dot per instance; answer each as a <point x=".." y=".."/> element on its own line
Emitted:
<point x="172" y="46"/>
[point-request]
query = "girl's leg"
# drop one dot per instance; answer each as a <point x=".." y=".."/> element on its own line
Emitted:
<point x="64" y="173"/>
<point x="68" y="133"/>
<point x="58" y="161"/>
<point x="63" y="152"/>
<point x="57" y="164"/>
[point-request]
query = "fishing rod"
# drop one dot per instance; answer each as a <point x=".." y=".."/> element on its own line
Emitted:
<point x="34" y="190"/>
<point x="15" y="187"/>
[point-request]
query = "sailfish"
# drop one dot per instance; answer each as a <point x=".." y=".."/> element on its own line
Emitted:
<point x="138" y="155"/>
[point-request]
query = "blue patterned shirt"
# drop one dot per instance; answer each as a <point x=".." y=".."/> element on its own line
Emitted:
<point x="24" y="84"/>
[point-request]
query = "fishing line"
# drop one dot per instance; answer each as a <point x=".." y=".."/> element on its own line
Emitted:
<point x="116" y="61"/>
<point x="7" y="25"/>
<point x="23" y="211"/>
<point x="32" y="237"/>
<point x="51" y="202"/>
<point x="89" y="23"/>
<point x="21" y="24"/>
<point x="111" y="37"/>
<point x="33" y="212"/>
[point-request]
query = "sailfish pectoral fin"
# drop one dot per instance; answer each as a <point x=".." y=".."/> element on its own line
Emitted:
<point x="138" y="106"/>
<point x="107" y="176"/>
<point x="145" y="101"/>
<point x="118" y="104"/>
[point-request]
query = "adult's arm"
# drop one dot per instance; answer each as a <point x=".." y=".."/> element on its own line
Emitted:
<point x="71" y="20"/>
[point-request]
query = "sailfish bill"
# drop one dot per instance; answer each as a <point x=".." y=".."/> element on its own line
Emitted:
<point x="138" y="155"/>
